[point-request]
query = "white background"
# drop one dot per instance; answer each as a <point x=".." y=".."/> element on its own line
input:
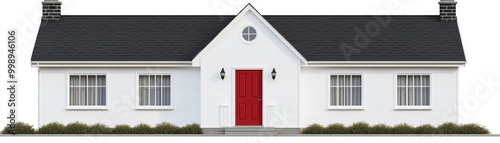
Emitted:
<point x="477" y="19"/>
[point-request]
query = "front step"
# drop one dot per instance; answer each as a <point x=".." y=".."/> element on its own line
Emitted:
<point x="251" y="131"/>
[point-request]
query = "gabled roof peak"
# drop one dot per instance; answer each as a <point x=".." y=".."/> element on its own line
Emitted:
<point x="247" y="7"/>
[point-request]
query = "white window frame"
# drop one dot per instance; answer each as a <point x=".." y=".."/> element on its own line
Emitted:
<point x="397" y="107"/>
<point x="69" y="107"/>
<point x="243" y="39"/>
<point x="138" y="106"/>
<point x="331" y="107"/>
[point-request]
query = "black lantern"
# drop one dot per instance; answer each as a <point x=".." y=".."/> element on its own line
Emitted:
<point x="273" y="73"/>
<point x="222" y="74"/>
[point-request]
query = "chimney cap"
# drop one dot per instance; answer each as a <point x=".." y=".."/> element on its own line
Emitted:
<point x="447" y="2"/>
<point x="51" y="2"/>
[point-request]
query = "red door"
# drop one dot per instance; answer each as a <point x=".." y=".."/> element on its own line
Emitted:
<point x="248" y="97"/>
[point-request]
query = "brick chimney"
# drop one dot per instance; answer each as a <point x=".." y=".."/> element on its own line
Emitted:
<point x="51" y="10"/>
<point x="448" y="10"/>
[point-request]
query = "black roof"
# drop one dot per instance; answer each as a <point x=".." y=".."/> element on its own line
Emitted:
<point x="182" y="37"/>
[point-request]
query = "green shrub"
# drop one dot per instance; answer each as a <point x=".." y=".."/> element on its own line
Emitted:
<point x="473" y="129"/>
<point x="166" y="128"/>
<point x="364" y="128"/>
<point x="99" y="129"/>
<point x="314" y="129"/>
<point x="77" y="128"/>
<point x="403" y="129"/>
<point x="425" y="129"/>
<point x="142" y="129"/>
<point x="122" y="129"/>
<point x="448" y="128"/>
<point x="20" y="128"/>
<point x="381" y="129"/>
<point x="191" y="129"/>
<point x="336" y="128"/>
<point x="52" y="128"/>
<point x="360" y="128"/>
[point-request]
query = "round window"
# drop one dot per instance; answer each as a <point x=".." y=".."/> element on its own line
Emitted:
<point x="249" y="33"/>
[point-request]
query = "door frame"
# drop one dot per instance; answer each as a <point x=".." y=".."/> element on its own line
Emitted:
<point x="232" y="115"/>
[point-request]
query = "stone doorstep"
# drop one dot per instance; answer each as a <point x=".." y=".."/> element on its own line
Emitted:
<point x="251" y="130"/>
<point x="256" y="131"/>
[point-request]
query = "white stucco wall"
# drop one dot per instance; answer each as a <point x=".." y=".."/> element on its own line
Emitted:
<point x="378" y="88"/>
<point x="280" y="97"/>
<point x="121" y="97"/>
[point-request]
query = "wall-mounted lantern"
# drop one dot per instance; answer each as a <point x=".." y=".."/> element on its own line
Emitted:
<point x="222" y="74"/>
<point x="273" y="73"/>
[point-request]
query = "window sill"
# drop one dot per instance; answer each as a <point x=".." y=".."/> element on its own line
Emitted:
<point x="87" y="108"/>
<point x="345" y="108"/>
<point x="413" y="108"/>
<point x="154" y="108"/>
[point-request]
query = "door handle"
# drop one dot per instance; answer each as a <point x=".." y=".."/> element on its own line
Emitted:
<point x="259" y="99"/>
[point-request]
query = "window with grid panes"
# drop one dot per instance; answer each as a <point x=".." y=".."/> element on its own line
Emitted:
<point x="154" y="90"/>
<point x="345" y="90"/>
<point x="87" y="90"/>
<point x="413" y="90"/>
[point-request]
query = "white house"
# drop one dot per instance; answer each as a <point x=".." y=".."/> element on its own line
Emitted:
<point x="283" y="72"/>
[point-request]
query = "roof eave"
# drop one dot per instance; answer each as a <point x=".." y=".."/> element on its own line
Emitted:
<point x="111" y="64"/>
<point x="385" y="64"/>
